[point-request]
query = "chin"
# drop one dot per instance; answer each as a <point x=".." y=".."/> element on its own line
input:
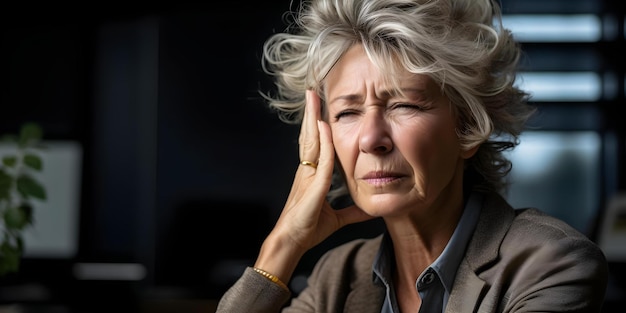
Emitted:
<point x="382" y="205"/>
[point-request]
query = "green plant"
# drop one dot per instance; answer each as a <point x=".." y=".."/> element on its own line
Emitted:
<point x="18" y="187"/>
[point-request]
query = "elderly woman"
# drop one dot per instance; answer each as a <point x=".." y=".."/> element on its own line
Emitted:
<point x="406" y="106"/>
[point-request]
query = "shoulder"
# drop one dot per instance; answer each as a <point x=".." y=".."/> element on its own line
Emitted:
<point x="349" y="262"/>
<point x="534" y="227"/>
<point x="357" y="253"/>
<point x="544" y="257"/>
<point x="534" y="219"/>
<point x="549" y="239"/>
<point x="534" y="232"/>
<point x="536" y="261"/>
<point x="507" y="230"/>
<point x="513" y="241"/>
<point x="342" y="273"/>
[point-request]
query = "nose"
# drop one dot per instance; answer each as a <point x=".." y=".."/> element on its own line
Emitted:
<point x="374" y="136"/>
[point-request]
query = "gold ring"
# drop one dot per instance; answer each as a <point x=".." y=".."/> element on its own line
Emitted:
<point x="308" y="163"/>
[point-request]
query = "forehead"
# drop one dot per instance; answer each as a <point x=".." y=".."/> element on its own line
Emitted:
<point x="356" y="69"/>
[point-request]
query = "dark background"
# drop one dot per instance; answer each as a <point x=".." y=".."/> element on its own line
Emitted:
<point x="184" y="169"/>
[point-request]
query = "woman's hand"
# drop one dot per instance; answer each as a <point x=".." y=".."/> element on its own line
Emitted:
<point x="307" y="218"/>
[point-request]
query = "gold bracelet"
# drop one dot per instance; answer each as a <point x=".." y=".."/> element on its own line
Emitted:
<point x="271" y="277"/>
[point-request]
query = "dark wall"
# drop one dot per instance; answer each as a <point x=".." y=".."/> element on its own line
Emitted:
<point x="224" y="160"/>
<point x="184" y="147"/>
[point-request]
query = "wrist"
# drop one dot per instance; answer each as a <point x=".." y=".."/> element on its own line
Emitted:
<point x="272" y="278"/>
<point x="279" y="258"/>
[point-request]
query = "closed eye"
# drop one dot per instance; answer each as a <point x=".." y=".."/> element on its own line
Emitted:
<point x="345" y="113"/>
<point x="408" y="106"/>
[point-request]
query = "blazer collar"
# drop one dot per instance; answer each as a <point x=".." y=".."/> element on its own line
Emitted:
<point x="366" y="299"/>
<point x="495" y="219"/>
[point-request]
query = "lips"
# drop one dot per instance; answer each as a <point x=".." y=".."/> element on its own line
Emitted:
<point x="381" y="177"/>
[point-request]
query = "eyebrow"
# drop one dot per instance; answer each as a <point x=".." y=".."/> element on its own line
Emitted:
<point x="390" y="93"/>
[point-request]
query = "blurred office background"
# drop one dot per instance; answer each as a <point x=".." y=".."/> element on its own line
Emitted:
<point x="165" y="169"/>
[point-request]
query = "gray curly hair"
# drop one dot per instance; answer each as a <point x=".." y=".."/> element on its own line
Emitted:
<point x="461" y="44"/>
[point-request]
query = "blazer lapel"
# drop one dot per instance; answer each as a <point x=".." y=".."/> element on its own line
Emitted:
<point x="366" y="299"/>
<point x="468" y="290"/>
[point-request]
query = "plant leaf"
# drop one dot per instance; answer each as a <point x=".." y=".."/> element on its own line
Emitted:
<point x="8" y="138"/>
<point x="28" y="187"/>
<point x="9" y="160"/>
<point x="16" y="218"/>
<point x="6" y="181"/>
<point x="27" y="210"/>
<point x="33" y="161"/>
<point x="29" y="133"/>
<point x="10" y="256"/>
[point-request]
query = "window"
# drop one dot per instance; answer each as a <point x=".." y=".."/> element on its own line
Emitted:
<point x="568" y="162"/>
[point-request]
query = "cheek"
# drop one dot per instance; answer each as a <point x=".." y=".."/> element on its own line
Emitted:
<point x="428" y="142"/>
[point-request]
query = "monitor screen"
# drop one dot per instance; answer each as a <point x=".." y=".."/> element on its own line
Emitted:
<point x="54" y="232"/>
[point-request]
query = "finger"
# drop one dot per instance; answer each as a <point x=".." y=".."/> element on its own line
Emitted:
<point x="309" y="133"/>
<point x="326" y="151"/>
<point x="324" y="171"/>
<point x="314" y="185"/>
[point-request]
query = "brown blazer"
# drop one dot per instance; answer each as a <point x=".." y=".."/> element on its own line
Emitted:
<point x="516" y="261"/>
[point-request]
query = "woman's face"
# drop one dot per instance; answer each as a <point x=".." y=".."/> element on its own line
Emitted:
<point x="398" y="152"/>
